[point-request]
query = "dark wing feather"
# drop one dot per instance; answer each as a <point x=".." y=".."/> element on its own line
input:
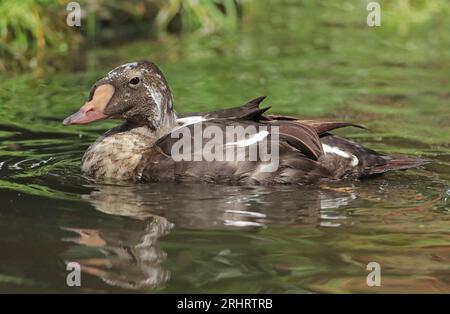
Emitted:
<point x="250" y="111"/>
<point x="280" y="117"/>
<point x="301" y="137"/>
<point x="321" y="127"/>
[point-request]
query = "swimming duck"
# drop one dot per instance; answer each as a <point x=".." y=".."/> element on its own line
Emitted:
<point x="155" y="144"/>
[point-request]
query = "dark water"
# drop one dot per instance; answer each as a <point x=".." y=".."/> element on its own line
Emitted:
<point x="202" y="238"/>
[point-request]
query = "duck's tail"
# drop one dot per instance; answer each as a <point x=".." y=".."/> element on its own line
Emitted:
<point x="397" y="163"/>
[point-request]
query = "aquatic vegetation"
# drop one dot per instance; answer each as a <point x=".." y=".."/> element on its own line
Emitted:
<point x="34" y="33"/>
<point x="28" y="30"/>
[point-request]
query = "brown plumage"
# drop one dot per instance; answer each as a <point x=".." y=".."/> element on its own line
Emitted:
<point x="142" y="148"/>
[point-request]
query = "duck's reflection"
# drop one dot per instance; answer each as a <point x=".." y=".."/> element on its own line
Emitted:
<point x="131" y="257"/>
<point x="206" y="207"/>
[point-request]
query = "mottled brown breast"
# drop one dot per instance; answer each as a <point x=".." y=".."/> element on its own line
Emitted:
<point x="116" y="155"/>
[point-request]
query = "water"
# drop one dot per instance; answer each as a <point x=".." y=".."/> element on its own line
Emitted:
<point x="204" y="238"/>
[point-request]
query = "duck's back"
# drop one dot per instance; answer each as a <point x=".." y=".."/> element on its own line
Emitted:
<point x="301" y="159"/>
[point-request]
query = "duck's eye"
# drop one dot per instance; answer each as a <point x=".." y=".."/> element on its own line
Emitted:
<point x="134" y="81"/>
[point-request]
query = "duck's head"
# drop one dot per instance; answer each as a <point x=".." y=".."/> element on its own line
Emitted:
<point x="136" y="92"/>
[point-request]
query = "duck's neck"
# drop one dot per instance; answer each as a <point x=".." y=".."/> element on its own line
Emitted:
<point x="160" y="116"/>
<point x="152" y="130"/>
<point x="167" y="121"/>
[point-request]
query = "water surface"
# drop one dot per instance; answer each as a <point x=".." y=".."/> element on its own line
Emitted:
<point x="203" y="238"/>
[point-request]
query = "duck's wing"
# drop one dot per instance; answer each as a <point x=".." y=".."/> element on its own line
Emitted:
<point x="307" y="151"/>
<point x="320" y="126"/>
<point x="301" y="137"/>
<point x="292" y="135"/>
<point x="324" y="126"/>
<point x="296" y="160"/>
<point x="250" y="110"/>
<point x="303" y="157"/>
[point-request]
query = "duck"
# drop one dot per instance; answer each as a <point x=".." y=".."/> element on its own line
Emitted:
<point x="156" y="144"/>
